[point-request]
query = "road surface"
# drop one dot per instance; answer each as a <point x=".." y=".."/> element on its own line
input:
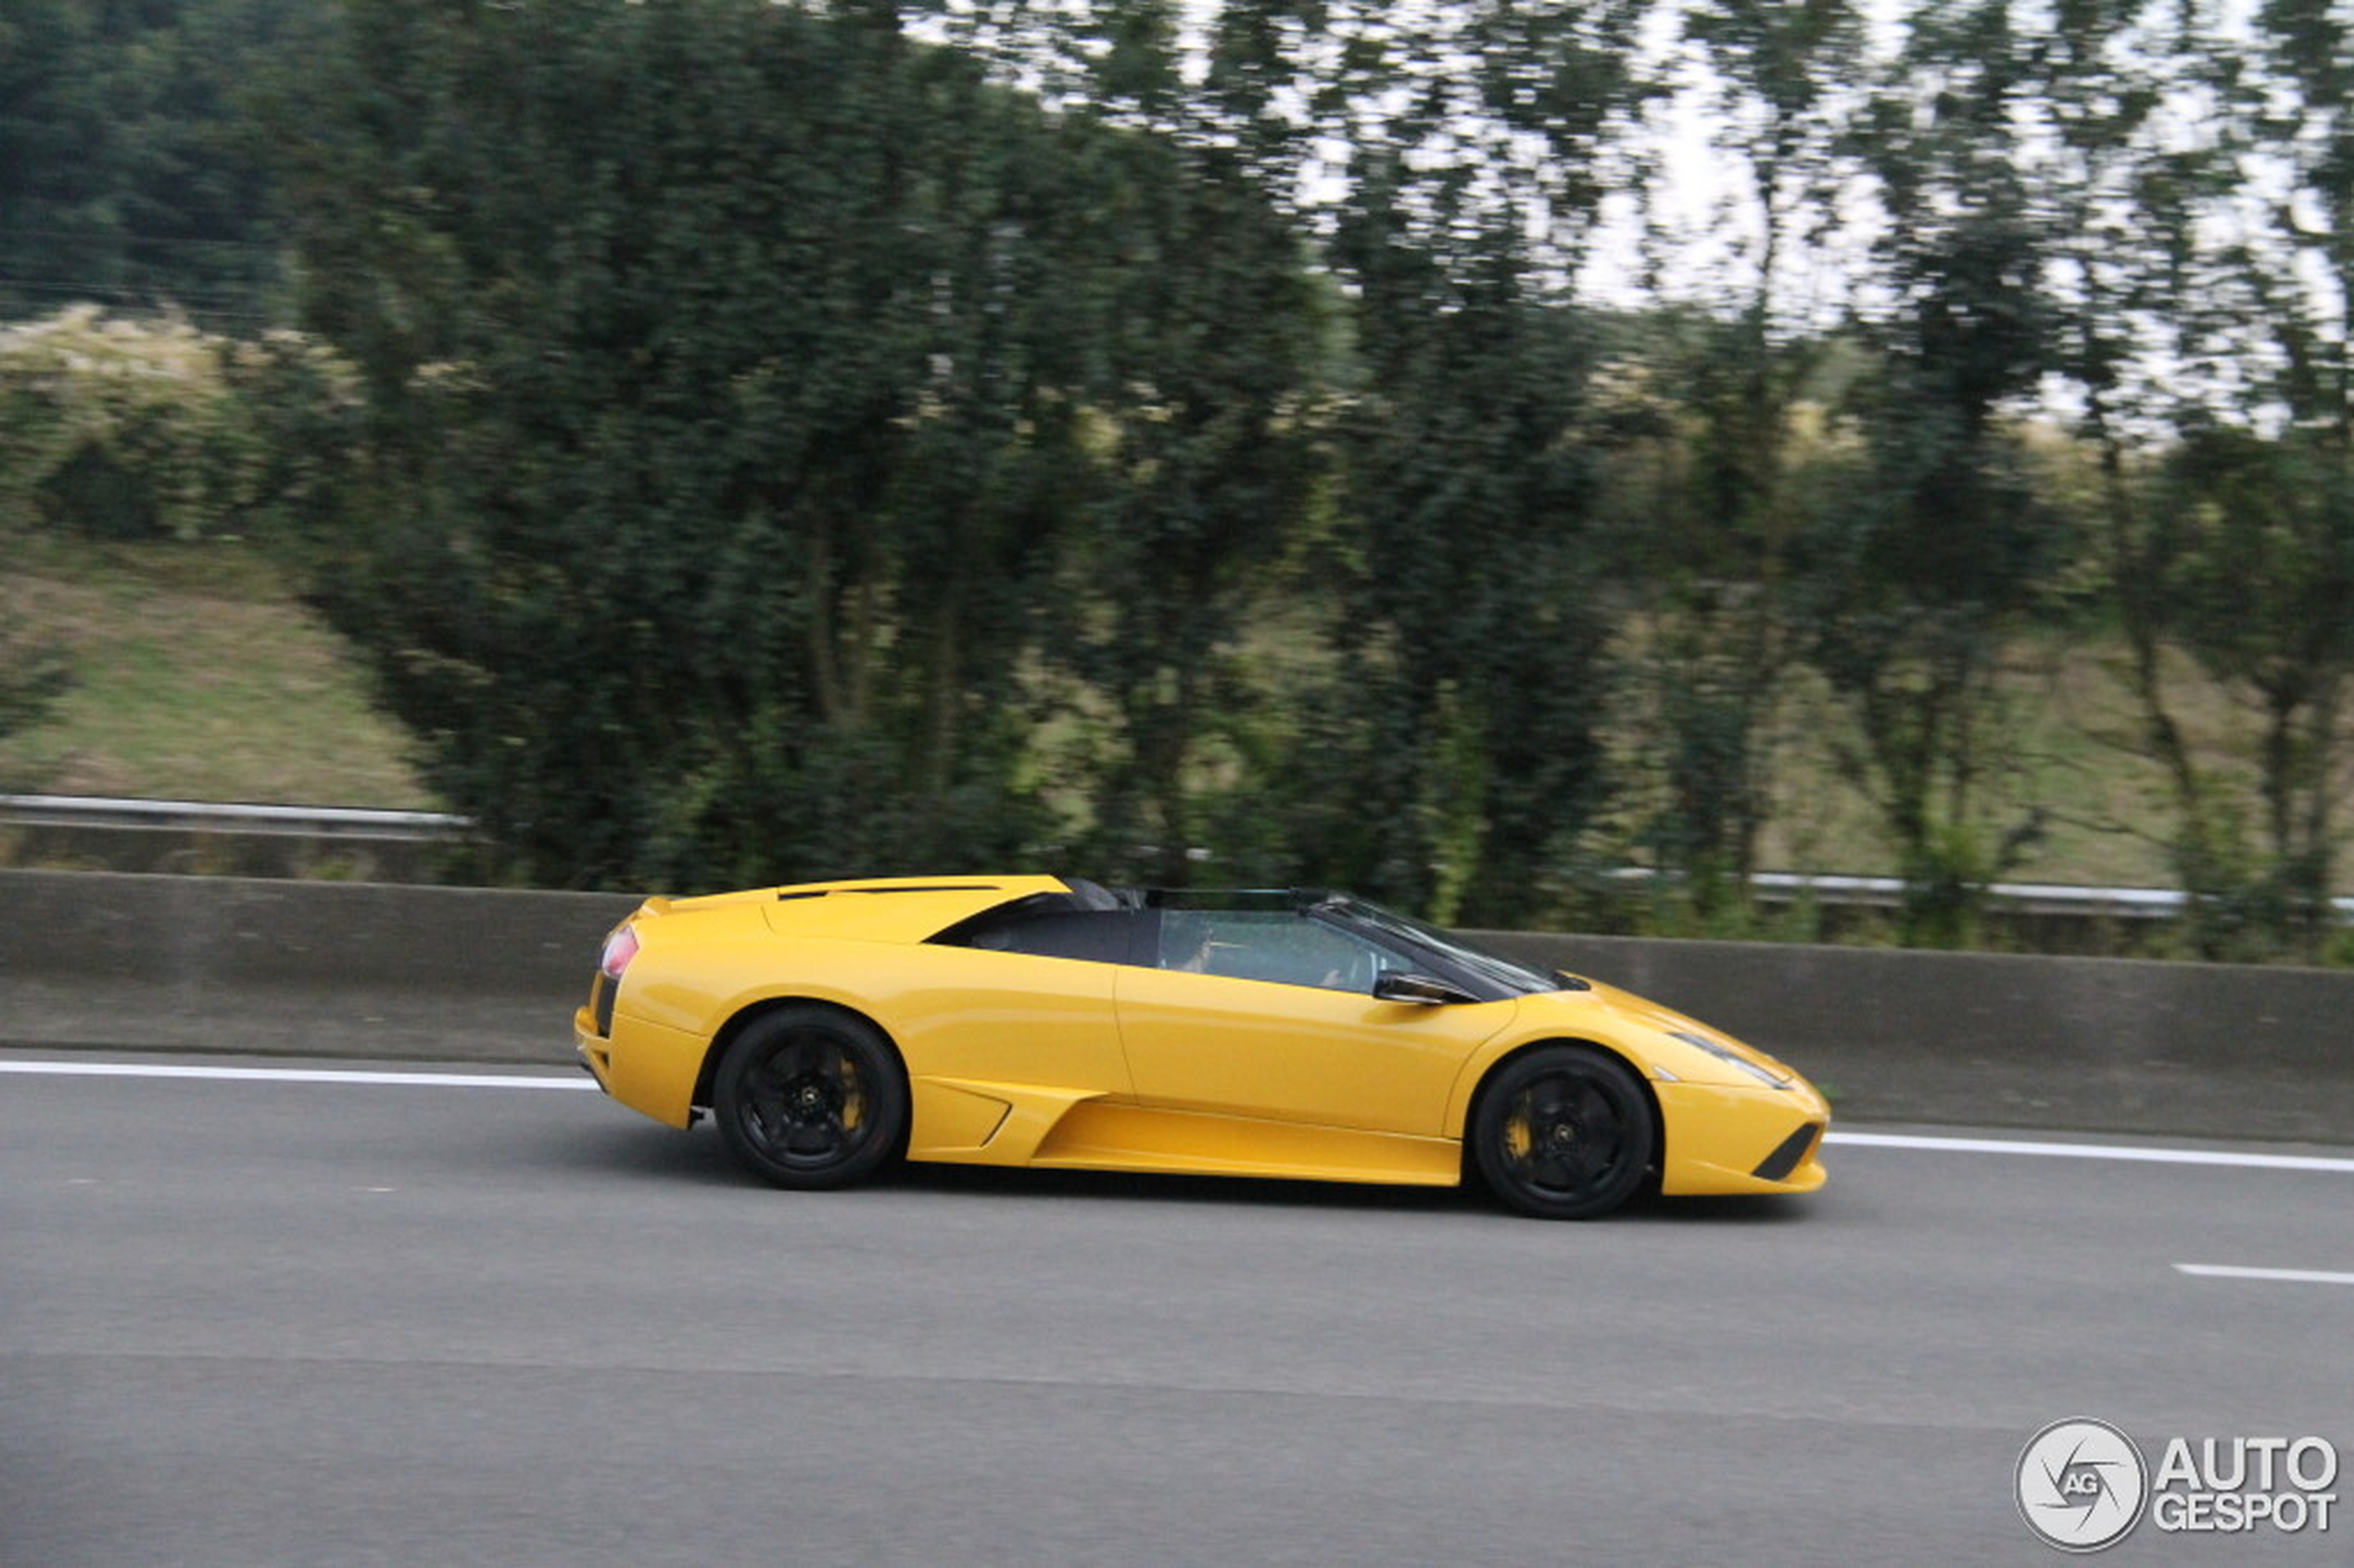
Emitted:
<point x="405" y="1318"/>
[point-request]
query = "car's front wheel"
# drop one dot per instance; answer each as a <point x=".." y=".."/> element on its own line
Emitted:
<point x="1564" y="1133"/>
<point x="810" y="1097"/>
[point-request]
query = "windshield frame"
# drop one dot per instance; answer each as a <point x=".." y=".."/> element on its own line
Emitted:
<point x="1488" y="974"/>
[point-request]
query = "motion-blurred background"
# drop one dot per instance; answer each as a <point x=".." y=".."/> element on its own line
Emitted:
<point x="1458" y="452"/>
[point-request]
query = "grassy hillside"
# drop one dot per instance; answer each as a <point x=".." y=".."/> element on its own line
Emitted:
<point x="198" y="676"/>
<point x="2064" y="755"/>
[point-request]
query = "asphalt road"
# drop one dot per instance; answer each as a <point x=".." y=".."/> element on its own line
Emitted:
<point x="257" y="1322"/>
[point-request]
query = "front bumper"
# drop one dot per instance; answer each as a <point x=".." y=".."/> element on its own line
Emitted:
<point x="1724" y="1139"/>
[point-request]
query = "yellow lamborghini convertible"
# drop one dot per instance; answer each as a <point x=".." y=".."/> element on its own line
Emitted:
<point x="834" y="1027"/>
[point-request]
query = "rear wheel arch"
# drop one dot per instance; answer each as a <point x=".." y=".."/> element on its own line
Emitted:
<point x="752" y="1012"/>
<point x="810" y="1095"/>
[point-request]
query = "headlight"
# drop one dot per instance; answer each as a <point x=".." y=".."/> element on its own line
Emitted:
<point x="1724" y="1053"/>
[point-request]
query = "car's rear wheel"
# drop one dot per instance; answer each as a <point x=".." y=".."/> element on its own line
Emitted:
<point x="810" y="1096"/>
<point x="1564" y="1133"/>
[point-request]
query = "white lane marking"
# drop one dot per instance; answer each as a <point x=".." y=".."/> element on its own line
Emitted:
<point x="2234" y="1272"/>
<point x="2248" y="1161"/>
<point x="296" y="1075"/>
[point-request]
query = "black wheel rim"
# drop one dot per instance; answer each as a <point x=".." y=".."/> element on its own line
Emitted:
<point x="1565" y="1136"/>
<point x="807" y="1103"/>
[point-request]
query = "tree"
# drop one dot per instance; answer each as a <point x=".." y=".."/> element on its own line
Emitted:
<point x="1459" y="762"/>
<point x="2205" y="278"/>
<point x="1939" y="552"/>
<point x="2259" y="524"/>
<point x="1742" y="375"/>
<point x="1208" y="461"/>
<point x="124" y="179"/>
<point x="1206" y="340"/>
<point x="651" y="306"/>
<point x="1454" y="763"/>
<point x="735" y="379"/>
<point x="2244" y="521"/>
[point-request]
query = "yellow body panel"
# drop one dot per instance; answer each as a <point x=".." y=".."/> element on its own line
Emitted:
<point x="966" y="1122"/>
<point x="1017" y="1059"/>
<point x="1718" y="1134"/>
<point x="889" y="908"/>
<point x="650" y="1068"/>
<point x="1109" y="1137"/>
<point x="1295" y="1053"/>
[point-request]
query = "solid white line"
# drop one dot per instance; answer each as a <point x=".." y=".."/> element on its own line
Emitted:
<point x="2233" y="1272"/>
<point x="2248" y="1161"/>
<point x="296" y="1075"/>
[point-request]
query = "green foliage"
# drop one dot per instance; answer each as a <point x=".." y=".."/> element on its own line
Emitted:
<point x="1206" y="330"/>
<point x="119" y="429"/>
<point x="1471" y="643"/>
<point x="747" y="441"/>
<point x="1915" y="579"/>
<point x="1725" y="629"/>
<point x="723" y="446"/>
<point x="2224" y="546"/>
<point x="1719" y="459"/>
<point x="2249" y="567"/>
<point x="124" y="180"/>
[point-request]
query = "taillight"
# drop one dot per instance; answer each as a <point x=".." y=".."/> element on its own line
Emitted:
<point x="620" y="947"/>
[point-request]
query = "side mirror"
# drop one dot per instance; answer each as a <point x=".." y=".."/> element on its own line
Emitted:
<point x="1401" y="985"/>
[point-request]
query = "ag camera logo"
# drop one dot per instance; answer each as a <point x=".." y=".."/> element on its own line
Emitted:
<point x="2081" y="1485"/>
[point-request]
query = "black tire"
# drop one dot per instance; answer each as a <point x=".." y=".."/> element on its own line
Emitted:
<point x="1564" y="1133"/>
<point x="811" y="1097"/>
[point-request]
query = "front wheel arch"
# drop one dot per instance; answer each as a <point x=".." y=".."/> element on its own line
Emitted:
<point x="1655" y="1161"/>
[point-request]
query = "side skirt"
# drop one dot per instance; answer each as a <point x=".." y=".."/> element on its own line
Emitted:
<point x="963" y="1122"/>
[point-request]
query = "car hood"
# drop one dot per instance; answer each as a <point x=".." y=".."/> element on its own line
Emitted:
<point x="1636" y="1022"/>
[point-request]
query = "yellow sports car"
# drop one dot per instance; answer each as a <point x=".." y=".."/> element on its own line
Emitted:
<point x="833" y="1027"/>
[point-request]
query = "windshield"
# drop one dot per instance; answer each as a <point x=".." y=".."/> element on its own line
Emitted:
<point x="1512" y="974"/>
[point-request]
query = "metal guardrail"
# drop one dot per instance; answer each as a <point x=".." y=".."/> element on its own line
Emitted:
<point x="100" y="811"/>
<point x="2057" y="899"/>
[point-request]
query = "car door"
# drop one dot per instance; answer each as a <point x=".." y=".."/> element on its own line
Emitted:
<point x="1271" y="1014"/>
<point x="1020" y="998"/>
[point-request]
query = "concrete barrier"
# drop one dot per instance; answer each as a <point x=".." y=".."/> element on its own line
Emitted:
<point x="98" y="960"/>
<point x="106" y="960"/>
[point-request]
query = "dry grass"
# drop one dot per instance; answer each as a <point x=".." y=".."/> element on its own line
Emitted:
<point x="197" y="676"/>
<point x="2067" y="745"/>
